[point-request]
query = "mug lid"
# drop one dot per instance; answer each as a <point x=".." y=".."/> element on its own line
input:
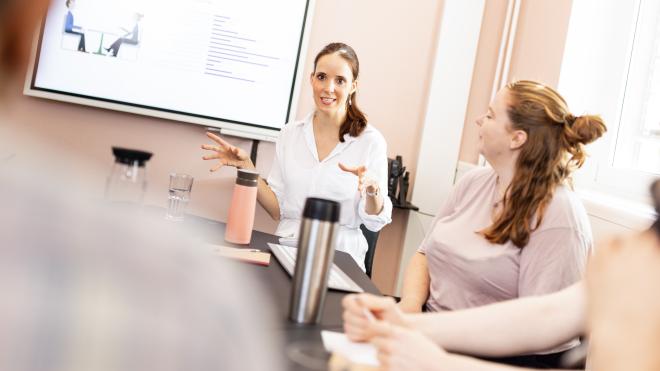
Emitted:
<point x="321" y="209"/>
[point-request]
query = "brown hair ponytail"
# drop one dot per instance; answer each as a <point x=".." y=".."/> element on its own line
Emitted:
<point x="554" y="148"/>
<point x="356" y="120"/>
<point x="579" y="131"/>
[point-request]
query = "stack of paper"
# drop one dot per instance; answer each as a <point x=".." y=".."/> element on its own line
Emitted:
<point x="363" y="354"/>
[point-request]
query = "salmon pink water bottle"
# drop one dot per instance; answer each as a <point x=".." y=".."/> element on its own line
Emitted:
<point x="241" y="211"/>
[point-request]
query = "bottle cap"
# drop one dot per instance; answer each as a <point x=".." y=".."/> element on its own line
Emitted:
<point x="321" y="209"/>
<point x="247" y="178"/>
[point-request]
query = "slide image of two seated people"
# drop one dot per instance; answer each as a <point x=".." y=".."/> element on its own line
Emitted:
<point x="99" y="28"/>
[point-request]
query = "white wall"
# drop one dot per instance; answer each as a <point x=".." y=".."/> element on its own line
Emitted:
<point x="447" y="105"/>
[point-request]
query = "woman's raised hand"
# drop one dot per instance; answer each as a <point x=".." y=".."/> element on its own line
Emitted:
<point x="364" y="181"/>
<point x="227" y="154"/>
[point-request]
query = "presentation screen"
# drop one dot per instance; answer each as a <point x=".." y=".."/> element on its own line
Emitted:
<point x="211" y="62"/>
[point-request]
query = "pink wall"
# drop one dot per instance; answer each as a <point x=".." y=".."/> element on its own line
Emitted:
<point x="536" y="55"/>
<point x="540" y="40"/>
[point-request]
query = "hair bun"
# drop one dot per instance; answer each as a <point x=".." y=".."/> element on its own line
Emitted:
<point x="569" y="119"/>
<point x="586" y="128"/>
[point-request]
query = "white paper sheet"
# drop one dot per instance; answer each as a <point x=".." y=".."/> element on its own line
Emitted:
<point x="359" y="353"/>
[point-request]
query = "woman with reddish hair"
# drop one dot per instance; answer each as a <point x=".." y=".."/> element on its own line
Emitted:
<point x="326" y="154"/>
<point x="514" y="229"/>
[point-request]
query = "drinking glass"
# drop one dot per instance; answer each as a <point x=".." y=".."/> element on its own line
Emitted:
<point x="179" y="195"/>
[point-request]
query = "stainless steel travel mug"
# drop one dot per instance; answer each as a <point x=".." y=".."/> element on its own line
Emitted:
<point x="316" y="251"/>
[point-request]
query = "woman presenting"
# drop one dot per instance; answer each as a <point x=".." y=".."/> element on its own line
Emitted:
<point x="327" y="154"/>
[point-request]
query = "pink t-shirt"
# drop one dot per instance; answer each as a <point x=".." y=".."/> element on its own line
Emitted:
<point x="468" y="271"/>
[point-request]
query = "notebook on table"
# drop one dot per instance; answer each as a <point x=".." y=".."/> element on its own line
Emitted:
<point x="245" y="255"/>
<point x="338" y="280"/>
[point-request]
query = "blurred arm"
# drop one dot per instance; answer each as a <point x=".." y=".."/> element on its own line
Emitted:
<point x="416" y="284"/>
<point x="514" y="327"/>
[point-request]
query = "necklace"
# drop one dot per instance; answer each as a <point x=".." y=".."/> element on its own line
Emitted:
<point x="499" y="194"/>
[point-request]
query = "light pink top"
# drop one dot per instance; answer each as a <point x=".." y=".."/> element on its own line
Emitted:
<point x="468" y="271"/>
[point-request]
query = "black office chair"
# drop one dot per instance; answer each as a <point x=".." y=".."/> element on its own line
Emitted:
<point x="372" y="239"/>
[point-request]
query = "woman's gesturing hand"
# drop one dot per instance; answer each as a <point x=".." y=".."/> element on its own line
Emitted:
<point x="227" y="154"/>
<point x="364" y="181"/>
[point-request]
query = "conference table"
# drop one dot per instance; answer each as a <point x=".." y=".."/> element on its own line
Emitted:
<point x="304" y="340"/>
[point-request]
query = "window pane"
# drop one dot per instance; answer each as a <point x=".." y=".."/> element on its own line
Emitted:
<point x="638" y="137"/>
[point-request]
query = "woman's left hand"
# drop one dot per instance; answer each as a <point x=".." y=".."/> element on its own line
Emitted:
<point x="364" y="182"/>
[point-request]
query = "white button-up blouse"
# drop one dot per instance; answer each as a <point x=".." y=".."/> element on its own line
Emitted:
<point x="297" y="174"/>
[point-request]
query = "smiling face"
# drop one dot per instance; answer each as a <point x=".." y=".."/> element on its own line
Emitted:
<point x="497" y="138"/>
<point x="332" y="84"/>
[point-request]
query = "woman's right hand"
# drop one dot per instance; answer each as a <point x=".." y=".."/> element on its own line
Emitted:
<point x="401" y="348"/>
<point x="363" y="310"/>
<point x="227" y="154"/>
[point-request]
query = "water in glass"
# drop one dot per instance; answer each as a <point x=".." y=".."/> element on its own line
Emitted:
<point x="179" y="196"/>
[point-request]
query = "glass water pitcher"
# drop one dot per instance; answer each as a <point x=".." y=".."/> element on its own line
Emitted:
<point x="127" y="182"/>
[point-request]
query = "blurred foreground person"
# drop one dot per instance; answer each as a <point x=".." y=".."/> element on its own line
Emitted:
<point x="623" y="286"/>
<point x="87" y="287"/>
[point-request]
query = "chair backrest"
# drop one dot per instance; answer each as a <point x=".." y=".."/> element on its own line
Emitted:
<point x="372" y="239"/>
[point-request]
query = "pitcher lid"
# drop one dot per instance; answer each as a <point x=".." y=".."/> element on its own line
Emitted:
<point x="130" y="156"/>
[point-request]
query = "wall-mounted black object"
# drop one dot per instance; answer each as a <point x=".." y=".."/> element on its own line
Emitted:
<point x="398" y="180"/>
<point x="394" y="170"/>
<point x="404" y="182"/>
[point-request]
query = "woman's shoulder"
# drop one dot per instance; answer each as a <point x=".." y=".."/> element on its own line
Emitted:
<point x="297" y="123"/>
<point x="479" y="174"/>
<point x="565" y="210"/>
<point x="372" y="135"/>
<point x="295" y="126"/>
<point x="475" y="184"/>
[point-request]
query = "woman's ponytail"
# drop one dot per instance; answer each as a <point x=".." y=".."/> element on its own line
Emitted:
<point x="579" y="131"/>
